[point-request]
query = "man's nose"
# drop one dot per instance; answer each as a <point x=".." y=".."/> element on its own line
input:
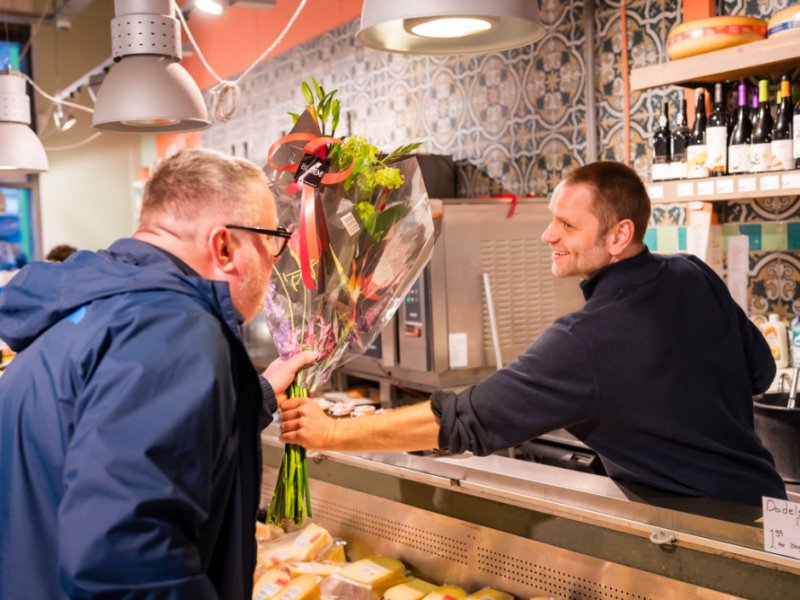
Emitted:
<point x="547" y="235"/>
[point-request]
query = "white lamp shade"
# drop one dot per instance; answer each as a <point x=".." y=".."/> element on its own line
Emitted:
<point x="21" y="149"/>
<point x="387" y="25"/>
<point x="149" y="94"/>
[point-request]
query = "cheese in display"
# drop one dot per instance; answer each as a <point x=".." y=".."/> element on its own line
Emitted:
<point x="375" y="571"/>
<point x="413" y="589"/>
<point x="785" y="20"/>
<point x="705" y="35"/>
<point x="447" y="592"/>
<point x="269" y="584"/>
<point x="305" y="587"/>
<point x="489" y="594"/>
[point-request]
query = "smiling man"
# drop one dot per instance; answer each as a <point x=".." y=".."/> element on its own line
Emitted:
<point x="655" y="373"/>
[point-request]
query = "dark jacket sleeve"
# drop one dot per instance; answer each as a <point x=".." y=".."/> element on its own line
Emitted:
<point x="150" y="429"/>
<point x="548" y="387"/>
<point x="269" y="404"/>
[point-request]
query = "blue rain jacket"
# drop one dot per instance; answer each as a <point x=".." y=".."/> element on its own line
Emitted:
<point x="129" y="453"/>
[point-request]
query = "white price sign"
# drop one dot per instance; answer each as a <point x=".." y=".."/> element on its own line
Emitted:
<point x="769" y="183"/>
<point x="685" y="189"/>
<point x="705" y="188"/>
<point x="781" y="527"/>
<point x="724" y="186"/>
<point x="656" y="192"/>
<point x="747" y="184"/>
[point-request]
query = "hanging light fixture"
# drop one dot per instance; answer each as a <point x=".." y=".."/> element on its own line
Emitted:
<point x="148" y="91"/>
<point x="20" y="147"/>
<point x="64" y="119"/>
<point x="449" y="26"/>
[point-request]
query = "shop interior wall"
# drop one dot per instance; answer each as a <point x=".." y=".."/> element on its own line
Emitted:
<point x="515" y="121"/>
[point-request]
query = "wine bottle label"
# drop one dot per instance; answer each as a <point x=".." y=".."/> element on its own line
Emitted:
<point x="717" y="143"/>
<point x="796" y="124"/>
<point x="760" y="155"/>
<point x="739" y="158"/>
<point x="697" y="161"/>
<point x="781" y="159"/>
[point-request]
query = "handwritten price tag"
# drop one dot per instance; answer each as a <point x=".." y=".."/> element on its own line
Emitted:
<point x="781" y="527"/>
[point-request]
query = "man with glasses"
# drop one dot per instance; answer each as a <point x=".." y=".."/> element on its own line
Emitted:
<point x="656" y="372"/>
<point x="129" y="419"/>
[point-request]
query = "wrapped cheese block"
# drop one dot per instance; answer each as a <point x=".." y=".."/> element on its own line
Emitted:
<point x="309" y="543"/>
<point x="321" y="569"/>
<point x="412" y="589"/>
<point x="365" y="579"/>
<point x="447" y="592"/>
<point x="265" y="533"/>
<point x="269" y="584"/>
<point x="489" y="594"/>
<point x="305" y="587"/>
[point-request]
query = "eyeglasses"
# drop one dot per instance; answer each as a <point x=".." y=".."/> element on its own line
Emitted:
<point x="279" y="236"/>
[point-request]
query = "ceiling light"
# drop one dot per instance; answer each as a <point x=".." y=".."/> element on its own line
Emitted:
<point x="20" y="147"/>
<point x="449" y="26"/>
<point x="64" y="120"/>
<point x="212" y="7"/>
<point x="148" y="91"/>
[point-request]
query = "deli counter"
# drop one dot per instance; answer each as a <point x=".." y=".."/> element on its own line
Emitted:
<point x="537" y="530"/>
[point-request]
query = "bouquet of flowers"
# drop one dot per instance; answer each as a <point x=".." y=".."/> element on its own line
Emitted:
<point x="362" y="232"/>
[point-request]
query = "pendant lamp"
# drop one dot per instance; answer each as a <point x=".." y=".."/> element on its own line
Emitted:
<point x="20" y="147"/>
<point x="449" y="26"/>
<point x="148" y="91"/>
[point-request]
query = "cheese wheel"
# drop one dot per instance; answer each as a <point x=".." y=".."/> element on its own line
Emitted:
<point x="447" y="592"/>
<point x="705" y="35"/>
<point x="413" y="589"/>
<point x="489" y="594"/>
<point x="784" y="20"/>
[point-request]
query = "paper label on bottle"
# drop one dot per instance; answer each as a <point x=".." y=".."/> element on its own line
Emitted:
<point x="697" y="161"/>
<point x="717" y="144"/>
<point x="769" y="183"/>
<point x="781" y="527"/>
<point x="739" y="158"/>
<point x="747" y="184"/>
<point x="760" y="155"/>
<point x="796" y="125"/>
<point x="781" y="159"/>
<point x="724" y="186"/>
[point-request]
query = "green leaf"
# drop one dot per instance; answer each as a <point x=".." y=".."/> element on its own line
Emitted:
<point x="317" y="88"/>
<point x="295" y="117"/>
<point x="307" y="93"/>
<point x="335" y="112"/>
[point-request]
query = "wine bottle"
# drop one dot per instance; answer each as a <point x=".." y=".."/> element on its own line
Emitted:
<point x="717" y="135"/>
<point x="661" y="146"/>
<point x="681" y="136"/>
<point x="761" y="138"/>
<point x="697" y="152"/>
<point x="781" y="145"/>
<point x="739" y="145"/>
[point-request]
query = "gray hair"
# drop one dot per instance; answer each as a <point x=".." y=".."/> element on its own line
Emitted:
<point x="195" y="181"/>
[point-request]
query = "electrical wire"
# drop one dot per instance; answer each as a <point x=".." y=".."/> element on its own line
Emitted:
<point x="54" y="99"/>
<point x="226" y="93"/>
<point x="626" y="88"/>
<point x="91" y="138"/>
<point x="35" y="30"/>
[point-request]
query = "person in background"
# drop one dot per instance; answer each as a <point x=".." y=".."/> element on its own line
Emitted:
<point x="60" y="253"/>
<point x="129" y="419"/>
<point x="655" y="373"/>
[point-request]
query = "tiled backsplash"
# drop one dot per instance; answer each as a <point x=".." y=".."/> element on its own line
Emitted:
<point x="516" y="121"/>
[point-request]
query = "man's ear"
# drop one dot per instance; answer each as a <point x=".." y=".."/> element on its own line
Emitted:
<point x="620" y="237"/>
<point x="222" y="244"/>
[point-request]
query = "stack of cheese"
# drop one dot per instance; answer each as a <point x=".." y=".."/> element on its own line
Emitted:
<point x="310" y="565"/>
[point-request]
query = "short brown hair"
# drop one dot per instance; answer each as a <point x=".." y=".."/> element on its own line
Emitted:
<point x="192" y="181"/>
<point x="60" y="253"/>
<point x="618" y="193"/>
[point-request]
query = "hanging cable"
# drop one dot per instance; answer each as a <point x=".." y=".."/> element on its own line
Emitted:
<point x="226" y="93"/>
<point x="626" y="88"/>
<point x="35" y="30"/>
<point x="91" y="138"/>
<point x="52" y="98"/>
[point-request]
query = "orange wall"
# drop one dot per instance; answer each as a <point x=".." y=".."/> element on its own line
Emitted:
<point x="697" y="9"/>
<point x="231" y="41"/>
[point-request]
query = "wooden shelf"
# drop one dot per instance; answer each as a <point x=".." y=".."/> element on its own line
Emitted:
<point x="729" y="187"/>
<point x="781" y="53"/>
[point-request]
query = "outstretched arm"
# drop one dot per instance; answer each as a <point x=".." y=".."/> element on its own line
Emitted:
<point x="409" y="428"/>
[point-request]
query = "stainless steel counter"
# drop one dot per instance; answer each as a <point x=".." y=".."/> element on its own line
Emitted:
<point x="705" y="543"/>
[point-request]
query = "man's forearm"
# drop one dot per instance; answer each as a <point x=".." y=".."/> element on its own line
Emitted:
<point x="404" y="429"/>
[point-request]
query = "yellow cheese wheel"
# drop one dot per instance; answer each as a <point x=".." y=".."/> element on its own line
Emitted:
<point x="705" y="35"/>
<point x="784" y="20"/>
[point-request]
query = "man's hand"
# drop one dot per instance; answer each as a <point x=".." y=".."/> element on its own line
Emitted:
<point x="280" y="373"/>
<point x="303" y="422"/>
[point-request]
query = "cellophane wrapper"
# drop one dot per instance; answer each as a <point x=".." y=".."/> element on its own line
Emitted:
<point x="360" y="281"/>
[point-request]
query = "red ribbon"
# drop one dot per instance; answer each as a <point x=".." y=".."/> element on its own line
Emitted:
<point x="513" y="208"/>
<point x="313" y="235"/>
